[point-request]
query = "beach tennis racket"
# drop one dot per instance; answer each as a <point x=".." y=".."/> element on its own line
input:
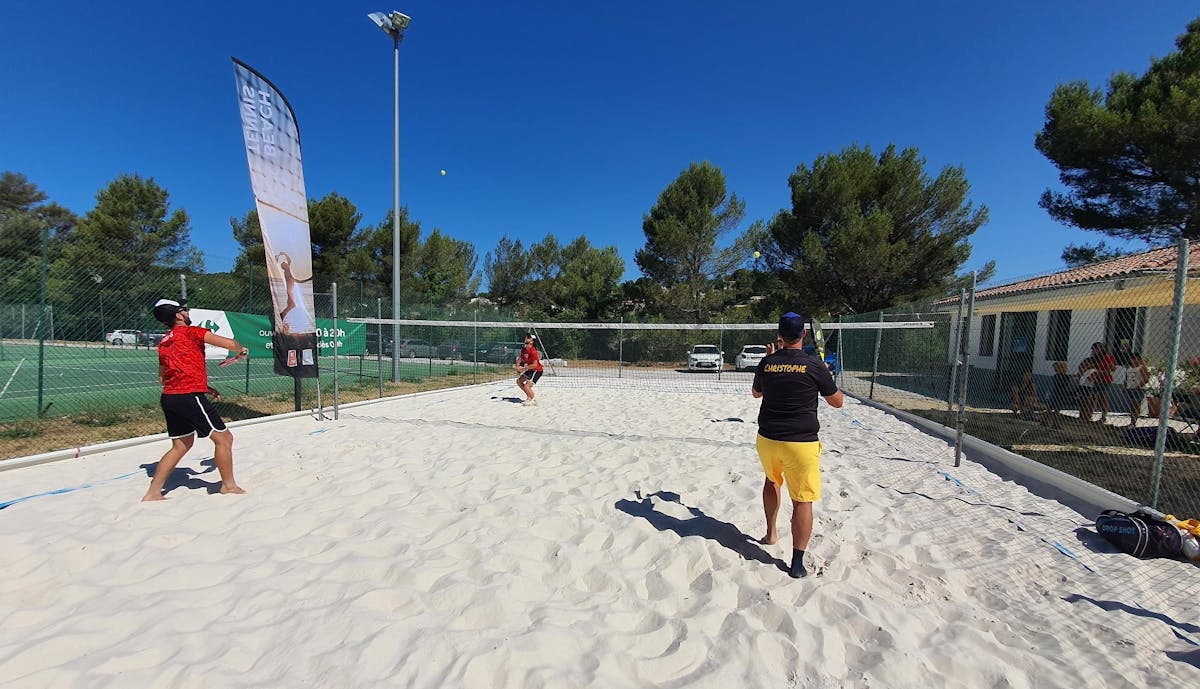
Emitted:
<point x="233" y="359"/>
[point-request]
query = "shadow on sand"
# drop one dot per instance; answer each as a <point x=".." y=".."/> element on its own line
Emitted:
<point x="185" y="477"/>
<point x="700" y="524"/>
<point x="1177" y="628"/>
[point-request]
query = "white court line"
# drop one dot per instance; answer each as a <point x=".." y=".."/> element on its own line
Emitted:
<point x="10" y="378"/>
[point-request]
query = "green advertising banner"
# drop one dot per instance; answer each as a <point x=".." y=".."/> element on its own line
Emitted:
<point x="254" y="332"/>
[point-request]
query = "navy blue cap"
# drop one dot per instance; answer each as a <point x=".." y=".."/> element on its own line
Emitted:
<point x="791" y="326"/>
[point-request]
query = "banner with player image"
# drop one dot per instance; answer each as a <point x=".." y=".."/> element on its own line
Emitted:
<point x="277" y="178"/>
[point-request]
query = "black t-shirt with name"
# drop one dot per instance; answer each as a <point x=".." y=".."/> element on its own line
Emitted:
<point x="790" y="382"/>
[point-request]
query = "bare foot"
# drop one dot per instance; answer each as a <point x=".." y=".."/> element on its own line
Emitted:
<point x="769" y="539"/>
<point x="153" y="497"/>
<point x="235" y="489"/>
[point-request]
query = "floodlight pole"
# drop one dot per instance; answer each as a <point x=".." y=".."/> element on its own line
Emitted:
<point x="396" y="36"/>
<point x="394" y="24"/>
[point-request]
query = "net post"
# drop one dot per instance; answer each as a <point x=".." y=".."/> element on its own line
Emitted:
<point x="721" y="349"/>
<point x="475" y="349"/>
<point x="875" y="360"/>
<point x="296" y="392"/>
<point x="621" y="347"/>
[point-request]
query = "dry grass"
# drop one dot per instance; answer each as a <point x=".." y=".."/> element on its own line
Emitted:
<point x="1097" y="453"/>
<point x="22" y="438"/>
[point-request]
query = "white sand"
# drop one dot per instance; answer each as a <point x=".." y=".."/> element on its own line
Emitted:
<point x="460" y="540"/>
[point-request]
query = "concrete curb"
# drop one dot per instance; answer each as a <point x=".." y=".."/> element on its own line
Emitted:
<point x="1088" y="499"/>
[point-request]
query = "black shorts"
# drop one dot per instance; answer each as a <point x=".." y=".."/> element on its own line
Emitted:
<point x="190" y="413"/>
<point x="532" y="376"/>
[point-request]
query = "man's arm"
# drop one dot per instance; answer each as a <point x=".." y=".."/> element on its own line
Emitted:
<point x="835" y="400"/>
<point x="224" y="342"/>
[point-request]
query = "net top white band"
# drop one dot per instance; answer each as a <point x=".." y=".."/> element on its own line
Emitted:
<point x="872" y="325"/>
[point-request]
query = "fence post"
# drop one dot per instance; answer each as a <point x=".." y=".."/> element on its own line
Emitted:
<point x="1160" y="442"/>
<point x="42" y="325"/>
<point x="475" y="349"/>
<point x="955" y="340"/>
<point x="336" y="333"/>
<point x="964" y="349"/>
<point x="875" y="361"/>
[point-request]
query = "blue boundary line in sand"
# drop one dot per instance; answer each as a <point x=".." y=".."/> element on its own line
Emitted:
<point x="60" y="491"/>
<point x="1020" y="525"/>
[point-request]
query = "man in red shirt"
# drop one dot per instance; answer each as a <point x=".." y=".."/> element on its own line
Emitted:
<point x="529" y="370"/>
<point x="182" y="372"/>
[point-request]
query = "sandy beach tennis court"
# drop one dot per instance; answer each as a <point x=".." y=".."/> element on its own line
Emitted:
<point x="605" y="538"/>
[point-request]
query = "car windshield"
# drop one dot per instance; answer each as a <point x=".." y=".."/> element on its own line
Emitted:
<point x="705" y="349"/>
<point x="754" y="349"/>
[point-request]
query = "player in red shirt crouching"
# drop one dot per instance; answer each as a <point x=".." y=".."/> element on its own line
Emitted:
<point x="182" y="372"/>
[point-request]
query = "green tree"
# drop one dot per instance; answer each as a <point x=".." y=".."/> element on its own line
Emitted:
<point x="866" y="232"/>
<point x="548" y="279"/>
<point x="247" y="232"/>
<point x="132" y="227"/>
<point x="588" y="282"/>
<point x="1127" y="156"/>
<point x="1076" y="256"/>
<point x="684" y="230"/>
<point x="508" y="270"/>
<point x="24" y="215"/>
<point x="446" y="269"/>
<point x="333" y="230"/>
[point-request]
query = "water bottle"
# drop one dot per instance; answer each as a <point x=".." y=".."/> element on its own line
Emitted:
<point x="1191" y="548"/>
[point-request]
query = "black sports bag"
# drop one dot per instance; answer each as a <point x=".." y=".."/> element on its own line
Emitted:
<point x="1139" y="534"/>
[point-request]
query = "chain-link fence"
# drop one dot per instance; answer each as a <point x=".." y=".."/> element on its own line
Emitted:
<point x="1071" y="370"/>
<point x="81" y="366"/>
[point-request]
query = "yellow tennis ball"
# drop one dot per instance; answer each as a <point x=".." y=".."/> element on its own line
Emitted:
<point x="756" y="254"/>
<point x="443" y="173"/>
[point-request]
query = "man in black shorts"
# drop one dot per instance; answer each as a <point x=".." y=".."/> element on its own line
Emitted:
<point x="182" y="373"/>
<point x="529" y="370"/>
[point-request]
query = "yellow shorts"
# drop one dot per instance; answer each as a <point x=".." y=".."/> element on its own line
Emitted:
<point x="798" y="463"/>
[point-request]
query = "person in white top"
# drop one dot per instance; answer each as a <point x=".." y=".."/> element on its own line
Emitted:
<point x="1136" y="377"/>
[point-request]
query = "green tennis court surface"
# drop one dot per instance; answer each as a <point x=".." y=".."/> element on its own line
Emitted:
<point x="79" y="378"/>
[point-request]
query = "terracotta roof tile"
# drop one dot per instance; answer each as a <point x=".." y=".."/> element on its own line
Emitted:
<point x="1155" y="260"/>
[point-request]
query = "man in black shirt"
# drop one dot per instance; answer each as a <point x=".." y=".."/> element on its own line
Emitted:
<point x="789" y="382"/>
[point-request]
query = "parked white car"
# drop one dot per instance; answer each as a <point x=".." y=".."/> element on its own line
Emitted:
<point x="705" y="358"/>
<point x="123" y="337"/>
<point x="748" y="358"/>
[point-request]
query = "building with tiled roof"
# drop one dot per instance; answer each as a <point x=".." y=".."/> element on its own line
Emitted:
<point x="1124" y="303"/>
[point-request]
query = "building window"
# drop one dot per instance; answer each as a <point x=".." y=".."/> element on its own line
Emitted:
<point x="1058" y="336"/>
<point x="987" y="335"/>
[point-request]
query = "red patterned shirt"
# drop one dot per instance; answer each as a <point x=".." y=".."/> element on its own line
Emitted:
<point x="529" y="357"/>
<point x="181" y="360"/>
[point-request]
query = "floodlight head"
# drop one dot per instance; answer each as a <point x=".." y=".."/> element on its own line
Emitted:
<point x="393" y="23"/>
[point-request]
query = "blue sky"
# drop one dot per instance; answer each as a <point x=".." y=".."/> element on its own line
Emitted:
<point x="560" y="116"/>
